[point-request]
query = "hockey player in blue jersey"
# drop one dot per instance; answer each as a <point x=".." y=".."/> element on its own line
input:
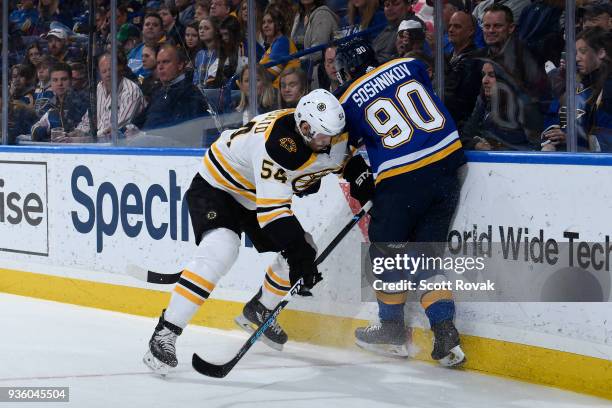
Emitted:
<point x="414" y="153"/>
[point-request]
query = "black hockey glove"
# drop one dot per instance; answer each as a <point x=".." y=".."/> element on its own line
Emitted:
<point x="301" y="256"/>
<point x="359" y="175"/>
<point x="313" y="188"/>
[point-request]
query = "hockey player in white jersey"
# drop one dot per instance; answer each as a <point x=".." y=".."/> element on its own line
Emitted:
<point x="246" y="184"/>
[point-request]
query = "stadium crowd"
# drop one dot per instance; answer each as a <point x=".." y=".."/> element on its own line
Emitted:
<point x="181" y="60"/>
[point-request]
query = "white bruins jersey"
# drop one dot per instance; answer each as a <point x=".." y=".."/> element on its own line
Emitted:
<point x="264" y="163"/>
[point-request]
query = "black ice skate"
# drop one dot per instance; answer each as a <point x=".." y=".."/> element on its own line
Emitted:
<point x="253" y="315"/>
<point x="387" y="338"/>
<point x="447" y="350"/>
<point x="162" y="350"/>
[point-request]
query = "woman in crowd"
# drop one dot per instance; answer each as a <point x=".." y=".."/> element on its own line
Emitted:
<point x="43" y="92"/>
<point x="593" y="97"/>
<point x="23" y="79"/>
<point x="274" y="31"/>
<point x="192" y="43"/>
<point x="150" y="83"/>
<point x="362" y="15"/>
<point x="205" y="69"/>
<point x="33" y="55"/>
<point x="314" y="24"/>
<point x="232" y="54"/>
<point x="293" y="85"/>
<point x="266" y="94"/>
<point x="243" y="18"/>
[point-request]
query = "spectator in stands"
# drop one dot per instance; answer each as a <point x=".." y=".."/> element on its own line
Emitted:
<point x="152" y="34"/>
<point x="49" y="11"/>
<point x="598" y="14"/>
<point x="325" y="74"/>
<point x="243" y="18"/>
<point x="151" y="83"/>
<point x="25" y="18"/>
<point x="232" y="51"/>
<point x="314" y="24"/>
<point x="462" y="79"/>
<point x="410" y="37"/>
<point x="79" y="77"/>
<point x="593" y="97"/>
<point x="20" y="120"/>
<point x="395" y="12"/>
<point x="57" y="42"/>
<point x="149" y="62"/>
<point x="207" y="58"/>
<point x="274" y="31"/>
<point x="178" y="100"/>
<point x="192" y="43"/>
<point x="266" y="94"/>
<point x="539" y="28"/>
<point x="516" y="8"/>
<point x="219" y="9"/>
<point x="293" y="85"/>
<point x="33" y="55"/>
<point x="128" y="37"/>
<point x="363" y="15"/>
<point x="289" y="9"/>
<point x="43" y="93"/>
<point x="65" y="109"/>
<point x="174" y="30"/>
<point x="186" y="11"/>
<point x="202" y="10"/>
<point x="130" y="100"/>
<point x="21" y="88"/>
<point x="496" y="122"/>
<point x="505" y="49"/>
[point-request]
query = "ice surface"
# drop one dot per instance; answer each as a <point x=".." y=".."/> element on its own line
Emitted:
<point x="98" y="355"/>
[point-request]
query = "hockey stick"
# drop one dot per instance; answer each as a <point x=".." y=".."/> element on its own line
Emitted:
<point x="151" y="276"/>
<point x="221" y="370"/>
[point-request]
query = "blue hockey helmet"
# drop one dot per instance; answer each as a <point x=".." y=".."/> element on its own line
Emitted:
<point x="353" y="59"/>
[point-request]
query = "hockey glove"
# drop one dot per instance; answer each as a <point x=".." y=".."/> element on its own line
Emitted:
<point x="301" y="256"/>
<point x="359" y="175"/>
<point x="313" y="188"/>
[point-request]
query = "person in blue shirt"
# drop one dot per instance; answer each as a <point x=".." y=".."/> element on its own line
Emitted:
<point x="414" y="152"/>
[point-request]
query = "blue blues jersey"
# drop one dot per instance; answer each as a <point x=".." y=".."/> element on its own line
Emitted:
<point x="394" y="111"/>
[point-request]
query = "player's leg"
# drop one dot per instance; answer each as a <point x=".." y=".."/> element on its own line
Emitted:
<point x="213" y="215"/>
<point x="439" y="305"/>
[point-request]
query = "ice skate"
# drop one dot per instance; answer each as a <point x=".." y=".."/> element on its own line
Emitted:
<point x="387" y="338"/>
<point x="253" y="315"/>
<point x="447" y="350"/>
<point x="161" y="356"/>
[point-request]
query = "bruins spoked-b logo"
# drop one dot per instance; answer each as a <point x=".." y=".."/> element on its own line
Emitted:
<point x="321" y="107"/>
<point x="288" y="144"/>
<point x="211" y="215"/>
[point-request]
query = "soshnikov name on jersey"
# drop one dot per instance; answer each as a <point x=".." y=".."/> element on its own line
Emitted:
<point x="379" y="82"/>
<point x="424" y="285"/>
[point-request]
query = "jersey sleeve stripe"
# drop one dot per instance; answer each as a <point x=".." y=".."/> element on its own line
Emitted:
<point x="198" y="279"/>
<point x="267" y="218"/>
<point x="219" y="179"/>
<point x="243" y="181"/>
<point x="420" y="163"/>
<point x="225" y="172"/>
<point x="272" y="201"/>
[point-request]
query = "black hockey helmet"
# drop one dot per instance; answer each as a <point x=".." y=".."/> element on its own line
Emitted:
<point x="354" y="58"/>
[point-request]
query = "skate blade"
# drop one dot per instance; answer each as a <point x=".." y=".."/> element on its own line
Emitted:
<point x="250" y="328"/>
<point x="456" y="358"/>
<point x="155" y="365"/>
<point x="389" y="350"/>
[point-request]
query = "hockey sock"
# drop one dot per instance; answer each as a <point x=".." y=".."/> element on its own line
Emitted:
<point x="440" y="311"/>
<point x="276" y="283"/>
<point x="394" y="312"/>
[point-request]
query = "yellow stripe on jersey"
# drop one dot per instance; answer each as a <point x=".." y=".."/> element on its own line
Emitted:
<point x="188" y="295"/>
<point x="367" y="76"/>
<point x="339" y="139"/>
<point x="262" y="202"/>
<point x="276" y="278"/>
<point x="419" y="163"/>
<point x="312" y="159"/>
<point x="221" y="180"/>
<point x="198" y="280"/>
<point x="264" y="219"/>
<point x="227" y="167"/>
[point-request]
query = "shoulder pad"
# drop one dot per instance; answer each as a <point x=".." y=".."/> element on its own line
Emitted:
<point x="285" y="146"/>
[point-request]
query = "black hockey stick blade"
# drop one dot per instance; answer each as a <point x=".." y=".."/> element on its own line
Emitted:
<point x="221" y="370"/>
